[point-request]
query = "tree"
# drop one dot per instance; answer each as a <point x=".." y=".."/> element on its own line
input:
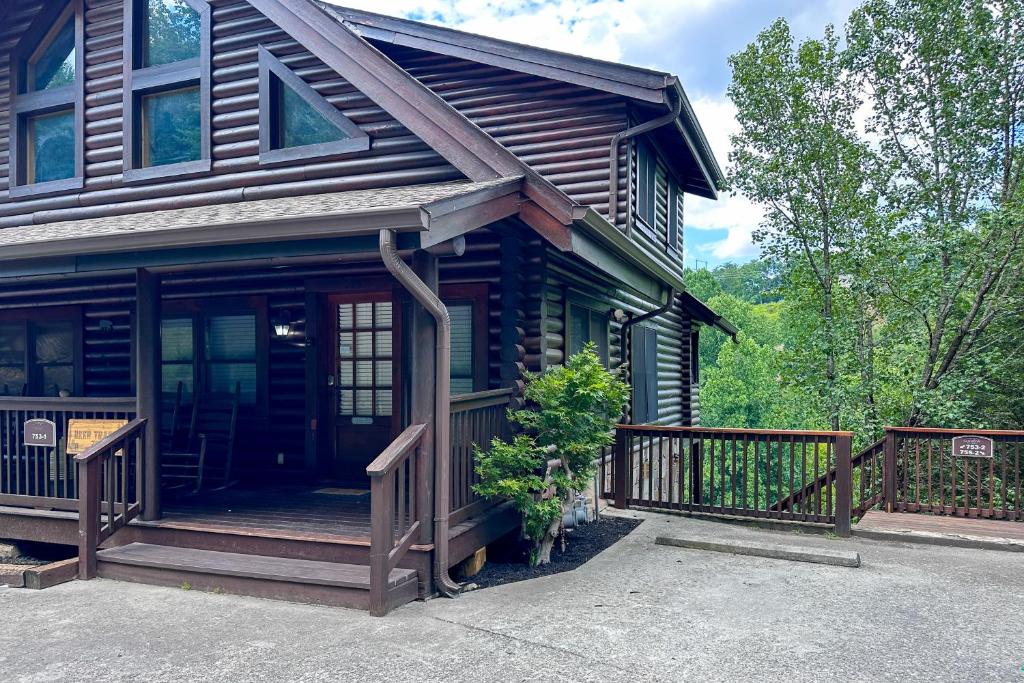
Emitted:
<point x="946" y="83"/>
<point x="798" y="155"/>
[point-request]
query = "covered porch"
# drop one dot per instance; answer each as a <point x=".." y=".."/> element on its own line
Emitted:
<point x="326" y="341"/>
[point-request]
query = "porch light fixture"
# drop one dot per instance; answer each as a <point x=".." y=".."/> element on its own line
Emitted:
<point x="283" y="324"/>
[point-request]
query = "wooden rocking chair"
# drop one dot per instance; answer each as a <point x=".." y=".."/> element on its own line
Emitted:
<point x="170" y="416"/>
<point x="209" y="449"/>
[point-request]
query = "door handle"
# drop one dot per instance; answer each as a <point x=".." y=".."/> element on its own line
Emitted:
<point x="330" y="380"/>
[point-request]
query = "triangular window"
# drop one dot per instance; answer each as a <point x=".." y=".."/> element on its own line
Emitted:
<point x="53" y="64"/>
<point x="297" y="122"/>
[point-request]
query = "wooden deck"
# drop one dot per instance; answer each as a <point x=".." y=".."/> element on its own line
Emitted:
<point x="320" y="510"/>
<point x="876" y="521"/>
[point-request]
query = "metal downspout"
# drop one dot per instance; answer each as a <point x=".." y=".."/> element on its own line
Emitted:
<point x="442" y="404"/>
<point x="628" y="325"/>
<point x="613" y="177"/>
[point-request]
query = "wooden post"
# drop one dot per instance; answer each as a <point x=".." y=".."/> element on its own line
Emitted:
<point x="844" y="484"/>
<point x="382" y="503"/>
<point x="88" y="517"/>
<point x="697" y="471"/>
<point x="147" y="383"/>
<point x="620" y="461"/>
<point x="889" y="470"/>
<point x="421" y="394"/>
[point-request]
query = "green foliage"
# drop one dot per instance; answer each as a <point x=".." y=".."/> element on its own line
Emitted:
<point x="573" y="409"/>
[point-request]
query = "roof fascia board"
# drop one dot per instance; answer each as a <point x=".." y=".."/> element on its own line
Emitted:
<point x="306" y="227"/>
<point x="413" y="39"/>
<point x="626" y="274"/>
<point x="599" y="229"/>
<point x="689" y="127"/>
<point x="703" y="313"/>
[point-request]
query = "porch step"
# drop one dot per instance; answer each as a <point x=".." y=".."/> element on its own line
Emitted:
<point x="277" y="578"/>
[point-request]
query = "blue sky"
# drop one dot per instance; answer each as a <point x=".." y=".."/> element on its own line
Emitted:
<point x="690" y="38"/>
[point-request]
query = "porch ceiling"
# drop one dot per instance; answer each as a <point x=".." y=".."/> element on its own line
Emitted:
<point x="438" y="211"/>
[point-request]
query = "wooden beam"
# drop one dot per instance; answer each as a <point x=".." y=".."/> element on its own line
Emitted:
<point x="147" y="389"/>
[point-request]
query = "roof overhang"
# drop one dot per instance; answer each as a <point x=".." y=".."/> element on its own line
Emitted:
<point x="437" y="213"/>
<point x="703" y="313"/>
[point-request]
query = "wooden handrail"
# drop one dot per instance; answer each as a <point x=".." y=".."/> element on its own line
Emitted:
<point x="955" y="432"/>
<point x="391" y="456"/>
<point x="97" y="449"/>
<point x="480" y="399"/>
<point x="791" y="500"/>
<point x="724" y="430"/>
<point x="70" y="404"/>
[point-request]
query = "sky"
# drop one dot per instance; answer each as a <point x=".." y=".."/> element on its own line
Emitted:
<point x="689" y="38"/>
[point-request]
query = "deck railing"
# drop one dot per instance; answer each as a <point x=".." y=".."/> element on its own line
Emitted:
<point x="111" y="489"/>
<point x="397" y="487"/>
<point x="476" y="419"/>
<point x="736" y="472"/>
<point x="924" y="474"/>
<point x="45" y="476"/>
<point x="866" y="468"/>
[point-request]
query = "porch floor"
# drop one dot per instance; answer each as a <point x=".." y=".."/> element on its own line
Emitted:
<point x="319" y="510"/>
<point x="942" y="530"/>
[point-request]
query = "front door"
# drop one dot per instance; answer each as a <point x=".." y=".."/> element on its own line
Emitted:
<point x="364" y="363"/>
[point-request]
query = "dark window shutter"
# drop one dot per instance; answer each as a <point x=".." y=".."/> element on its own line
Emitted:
<point x="673" y="215"/>
<point x="651" y="374"/>
<point x="638" y="371"/>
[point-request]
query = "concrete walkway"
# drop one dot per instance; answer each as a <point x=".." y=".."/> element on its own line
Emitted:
<point x="637" y="612"/>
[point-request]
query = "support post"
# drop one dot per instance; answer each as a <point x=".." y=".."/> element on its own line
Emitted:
<point x="147" y="383"/>
<point x="844" y="484"/>
<point x="424" y="382"/>
<point x="620" y="469"/>
<point x="696" y="472"/>
<point x="889" y="470"/>
<point x="88" y="517"/>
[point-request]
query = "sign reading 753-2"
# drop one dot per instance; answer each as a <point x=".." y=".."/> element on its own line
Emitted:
<point x="972" y="447"/>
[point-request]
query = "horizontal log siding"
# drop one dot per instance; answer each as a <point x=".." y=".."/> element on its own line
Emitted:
<point x="676" y="393"/>
<point x="562" y="131"/>
<point x="396" y="156"/>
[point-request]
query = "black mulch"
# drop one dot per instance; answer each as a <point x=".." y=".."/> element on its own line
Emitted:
<point x="507" y="560"/>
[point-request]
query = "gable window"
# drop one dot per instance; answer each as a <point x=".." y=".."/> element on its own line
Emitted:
<point x="467" y="308"/>
<point x="47" y="104"/>
<point x="167" y="89"/>
<point x="297" y="122"/>
<point x="212" y="348"/>
<point x="586" y="324"/>
<point x="39" y="356"/>
<point x="644" y="374"/>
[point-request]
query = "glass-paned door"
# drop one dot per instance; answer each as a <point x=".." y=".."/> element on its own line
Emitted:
<point x="362" y="382"/>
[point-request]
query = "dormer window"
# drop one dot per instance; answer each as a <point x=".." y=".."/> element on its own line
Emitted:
<point x="46" y="123"/>
<point x="167" y="90"/>
<point x="297" y="122"/>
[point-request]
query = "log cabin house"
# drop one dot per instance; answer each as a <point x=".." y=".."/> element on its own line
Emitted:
<point x="289" y="261"/>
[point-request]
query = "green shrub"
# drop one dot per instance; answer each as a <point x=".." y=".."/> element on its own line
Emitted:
<point x="571" y="412"/>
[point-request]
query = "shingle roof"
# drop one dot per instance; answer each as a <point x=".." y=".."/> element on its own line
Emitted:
<point x="408" y="208"/>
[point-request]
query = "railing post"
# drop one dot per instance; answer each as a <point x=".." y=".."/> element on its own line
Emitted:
<point x="889" y="470"/>
<point x="844" y="484"/>
<point x="88" y="517"/>
<point x="620" y="462"/>
<point x="697" y="470"/>
<point x="381" y="528"/>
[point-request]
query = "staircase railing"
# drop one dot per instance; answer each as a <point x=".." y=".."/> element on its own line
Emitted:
<point x="110" y="489"/>
<point x="395" y="510"/>
<point x="866" y="468"/>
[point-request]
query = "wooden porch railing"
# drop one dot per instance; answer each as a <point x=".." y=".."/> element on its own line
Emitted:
<point x="923" y="474"/>
<point x="737" y="472"/>
<point x="866" y="467"/>
<point x="38" y="476"/>
<point x="397" y="485"/>
<point x="111" y="489"/>
<point x="476" y="419"/>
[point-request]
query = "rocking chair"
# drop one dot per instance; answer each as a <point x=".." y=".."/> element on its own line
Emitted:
<point x="208" y="451"/>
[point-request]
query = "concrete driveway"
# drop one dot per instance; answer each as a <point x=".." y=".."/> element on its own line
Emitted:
<point x="637" y="612"/>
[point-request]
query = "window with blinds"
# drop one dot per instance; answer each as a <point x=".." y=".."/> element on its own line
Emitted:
<point x="13" y="375"/>
<point x="462" y="372"/>
<point x="365" y="359"/>
<point x="230" y="358"/>
<point x="177" y="352"/>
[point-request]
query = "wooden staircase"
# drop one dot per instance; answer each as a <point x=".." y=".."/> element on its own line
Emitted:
<point x="278" y="578"/>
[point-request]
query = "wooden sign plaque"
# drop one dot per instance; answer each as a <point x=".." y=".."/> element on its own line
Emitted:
<point x="84" y="433"/>
<point x="40" y="432"/>
<point x="972" y="447"/>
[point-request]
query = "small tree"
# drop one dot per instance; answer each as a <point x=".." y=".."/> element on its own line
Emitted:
<point x="573" y="409"/>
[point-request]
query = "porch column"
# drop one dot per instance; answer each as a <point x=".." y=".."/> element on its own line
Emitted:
<point x="147" y="383"/>
<point x="422" y="391"/>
